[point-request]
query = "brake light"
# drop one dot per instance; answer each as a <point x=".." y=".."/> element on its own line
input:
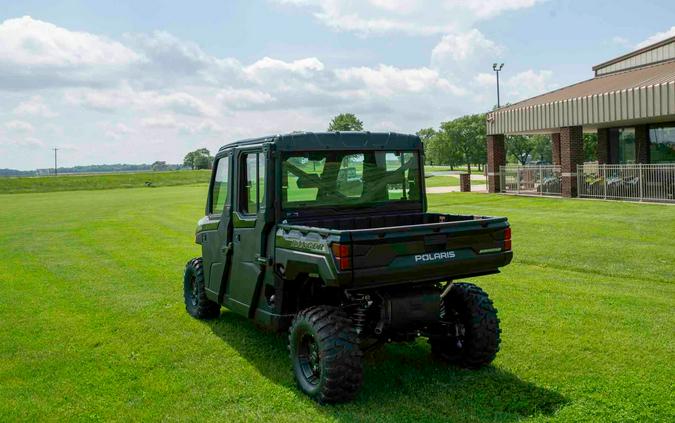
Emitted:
<point x="507" y="238"/>
<point x="342" y="254"/>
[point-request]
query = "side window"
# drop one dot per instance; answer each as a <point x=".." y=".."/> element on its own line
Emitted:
<point x="253" y="178"/>
<point x="350" y="176"/>
<point x="402" y="168"/>
<point x="220" y="185"/>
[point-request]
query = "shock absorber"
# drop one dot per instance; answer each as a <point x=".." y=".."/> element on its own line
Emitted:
<point x="359" y="317"/>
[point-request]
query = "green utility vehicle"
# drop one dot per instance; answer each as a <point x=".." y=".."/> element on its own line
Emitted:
<point x="327" y="236"/>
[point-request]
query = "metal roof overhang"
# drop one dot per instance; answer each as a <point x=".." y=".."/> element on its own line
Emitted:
<point x="635" y="96"/>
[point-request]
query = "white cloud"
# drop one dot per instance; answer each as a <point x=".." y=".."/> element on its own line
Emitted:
<point x="461" y="47"/>
<point x="35" y="106"/>
<point x="23" y="142"/>
<point x="125" y="97"/>
<point x="180" y="102"/>
<point x="19" y="126"/>
<point x="184" y="126"/>
<point x="169" y="58"/>
<point x="241" y="98"/>
<point x="38" y="54"/>
<point x="484" y="79"/>
<point x="659" y="36"/>
<point x="117" y="131"/>
<point x="387" y="81"/>
<point x="528" y="84"/>
<point x="268" y="68"/>
<point x="424" y="17"/>
<point x="103" y="100"/>
<point x="30" y="42"/>
<point x="162" y="122"/>
<point x="171" y="95"/>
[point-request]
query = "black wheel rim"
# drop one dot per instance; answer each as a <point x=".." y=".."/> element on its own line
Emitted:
<point x="309" y="359"/>
<point x="456" y="329"/>
<point x="192" y="291"/>
<point x="459" y="335"/>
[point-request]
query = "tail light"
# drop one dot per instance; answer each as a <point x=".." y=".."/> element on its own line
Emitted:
<point x="507" y="238"/>
<point x="342" y="254"/>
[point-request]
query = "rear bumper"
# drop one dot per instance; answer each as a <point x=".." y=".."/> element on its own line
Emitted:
<point x="406" y="272"/>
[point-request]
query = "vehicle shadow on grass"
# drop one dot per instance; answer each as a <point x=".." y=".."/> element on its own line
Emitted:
<point x="401" y="382"/>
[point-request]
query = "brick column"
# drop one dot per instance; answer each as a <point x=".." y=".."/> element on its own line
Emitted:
<point x="555" y="148"/>
<point x="465" y="182"/>
<point x="496" y="156"/>
<point x="642" y="144"/>
<point x="572" y="154"/>
<point x="603" y="146"/>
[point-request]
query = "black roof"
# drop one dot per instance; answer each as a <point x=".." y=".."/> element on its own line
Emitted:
<point x="304" y="141"/>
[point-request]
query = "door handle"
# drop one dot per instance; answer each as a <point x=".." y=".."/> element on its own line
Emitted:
<point x="226" y="248"/>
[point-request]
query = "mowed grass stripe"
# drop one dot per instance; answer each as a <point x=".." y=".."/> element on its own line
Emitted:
<point x="93" y="325"/>
<point x="76" y="182"/>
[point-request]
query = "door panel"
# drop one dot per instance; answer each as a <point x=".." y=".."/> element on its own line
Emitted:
<point x="246" y="269"/>
<point x="215" y="243"/>
<point x="248" y="224"/>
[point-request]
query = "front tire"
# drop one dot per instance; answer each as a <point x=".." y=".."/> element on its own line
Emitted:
<point x="471" y="326"/>
<point x="194" y="292"/>
<point x="325" y="354"/>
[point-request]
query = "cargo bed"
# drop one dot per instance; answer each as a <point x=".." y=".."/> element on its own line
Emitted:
<point x="418" y="247"/>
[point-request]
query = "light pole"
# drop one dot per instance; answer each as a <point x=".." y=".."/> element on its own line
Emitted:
<point x="497" y="68"/>
<point x="55" y="163"/>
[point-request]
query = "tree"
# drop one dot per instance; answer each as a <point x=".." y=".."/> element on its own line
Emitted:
<point x="198" y="159"/>
<point x="590" y="147"/>
<point x="520" y="147"/>
<point x="345" y="122"/>
<point x="159" y="166"/>
<point x="427" y="136"/>
<point x="541" y="148"/>
<point x="466" y="140"/>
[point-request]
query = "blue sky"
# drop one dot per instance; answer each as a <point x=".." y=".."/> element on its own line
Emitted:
<point x="133" y="82"/>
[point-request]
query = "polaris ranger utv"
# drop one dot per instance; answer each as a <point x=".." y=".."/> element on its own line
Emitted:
<point x="327" y="235"/>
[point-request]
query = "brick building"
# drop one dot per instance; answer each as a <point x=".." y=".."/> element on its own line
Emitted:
<point x="630" y="103"/>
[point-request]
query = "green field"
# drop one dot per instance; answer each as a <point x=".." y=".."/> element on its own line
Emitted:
<point x="441" y="181"/>
<point x="11" y="185"/>
<point x="92" y="325"/>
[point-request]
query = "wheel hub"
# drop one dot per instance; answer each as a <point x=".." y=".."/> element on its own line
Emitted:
<point x="310" y="359"/>
<point x="193" y="289"/>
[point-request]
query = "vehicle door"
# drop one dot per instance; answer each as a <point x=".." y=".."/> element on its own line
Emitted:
<point x="248" y="225"/>
<point x="217" y="239"/>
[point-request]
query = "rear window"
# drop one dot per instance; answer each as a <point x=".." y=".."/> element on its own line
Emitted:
<point x="349" y="178"/>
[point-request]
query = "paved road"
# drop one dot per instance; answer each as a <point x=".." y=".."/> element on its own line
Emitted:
<point x="474" y="176"/>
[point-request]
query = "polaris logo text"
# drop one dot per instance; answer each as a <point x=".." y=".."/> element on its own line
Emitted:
<point x="444" y="255"/>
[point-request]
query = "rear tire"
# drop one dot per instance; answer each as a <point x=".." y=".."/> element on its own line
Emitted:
<point x="472" y="337"/>
<point x="325" y="353"/>
<point x="194" y="292"/>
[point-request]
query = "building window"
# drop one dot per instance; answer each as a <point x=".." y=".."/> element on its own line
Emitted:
<point x="622" y="145"/>
<point x="662" y="143"/>
<point x="627" y="145"/>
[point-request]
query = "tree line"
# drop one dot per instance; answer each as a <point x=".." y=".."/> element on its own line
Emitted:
<point x="462" y="141"/>
<point x="457" y="142"/>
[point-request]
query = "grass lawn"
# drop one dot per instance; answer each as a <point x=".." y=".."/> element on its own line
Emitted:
<point x="441" y="181"/>
<point x="9" y="185"/>
<point x="92" y="323"/>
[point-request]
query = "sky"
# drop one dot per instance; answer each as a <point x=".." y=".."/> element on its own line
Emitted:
<point x="130" y="81"/>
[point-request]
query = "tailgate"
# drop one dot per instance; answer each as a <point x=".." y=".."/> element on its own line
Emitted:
<point x="465" y="246"/>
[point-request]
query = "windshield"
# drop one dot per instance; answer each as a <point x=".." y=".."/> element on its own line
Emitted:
<point x="349" y="178"/>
